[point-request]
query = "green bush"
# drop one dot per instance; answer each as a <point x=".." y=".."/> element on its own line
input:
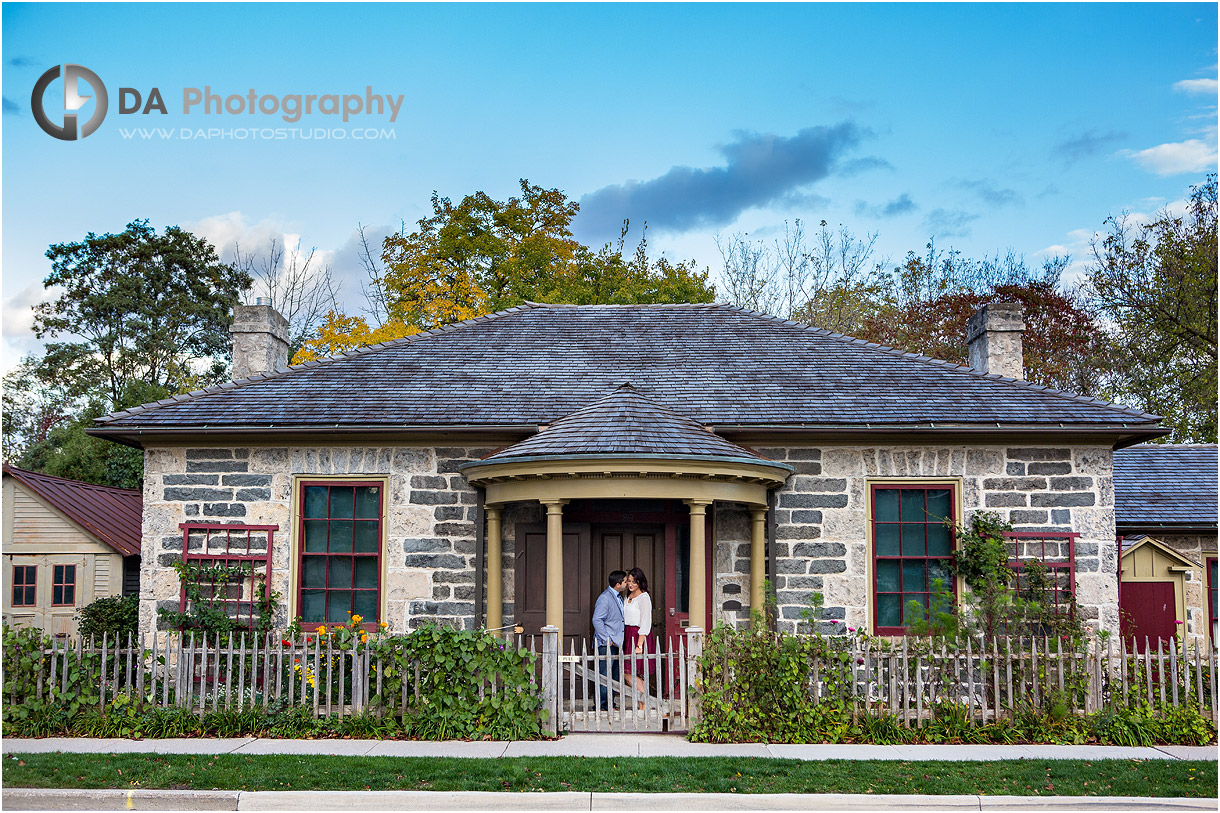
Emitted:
<point x="113" y="616"/>
<point x="452" y="666"/>
<point x="754" y="687"/>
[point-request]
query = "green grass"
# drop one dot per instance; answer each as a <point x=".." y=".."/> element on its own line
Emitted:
<point x="1113" y="777"/>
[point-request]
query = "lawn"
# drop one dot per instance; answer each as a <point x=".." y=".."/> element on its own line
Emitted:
<point x="1157" y="777"/>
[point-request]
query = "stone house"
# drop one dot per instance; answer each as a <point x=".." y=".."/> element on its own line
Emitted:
<point x="493" y="471"/>
<point x="1165" y="504"/>
<point x="66" y="544"/>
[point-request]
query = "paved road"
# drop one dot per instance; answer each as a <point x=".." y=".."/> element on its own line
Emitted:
<point x="602" y="745"/>
<point x="19" y="799"/>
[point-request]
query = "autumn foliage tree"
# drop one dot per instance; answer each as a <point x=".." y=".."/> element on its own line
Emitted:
<point x="935" y="295"/>
<point x="481" y="255"/>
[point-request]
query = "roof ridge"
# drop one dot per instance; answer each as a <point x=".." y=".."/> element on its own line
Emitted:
<point x="1021" y="383"/>
<point x="19" y="473"/>
<point x="638" y="305"/>
<point x="1171" y="446"/>
<point x="293" y="368"/>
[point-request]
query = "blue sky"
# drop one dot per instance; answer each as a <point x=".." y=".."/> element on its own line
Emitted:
<point x="987" y="127"/>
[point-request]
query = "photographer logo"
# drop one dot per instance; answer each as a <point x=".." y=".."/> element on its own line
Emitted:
<point x="74" y="99"/>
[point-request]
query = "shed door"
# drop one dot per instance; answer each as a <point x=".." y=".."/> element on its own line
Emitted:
<point x="1148" y="611"/>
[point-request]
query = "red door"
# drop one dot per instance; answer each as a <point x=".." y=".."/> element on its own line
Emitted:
<point x="1148" y="611"/>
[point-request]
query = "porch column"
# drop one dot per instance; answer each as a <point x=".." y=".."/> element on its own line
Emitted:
<point x="698" y="563"/>
<point x="495" y="570"/>
<point x="554" y="563"/>
<point x="758" y="569"/>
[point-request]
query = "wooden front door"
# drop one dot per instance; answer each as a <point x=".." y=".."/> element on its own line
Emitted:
<point x="530" y="584"/>
<point x="1148" y="610"/>
<point x="624" y="546"/>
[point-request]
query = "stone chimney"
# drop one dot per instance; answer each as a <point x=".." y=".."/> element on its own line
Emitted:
<point x="260" y="339"/>
<point x="993" y="335"/>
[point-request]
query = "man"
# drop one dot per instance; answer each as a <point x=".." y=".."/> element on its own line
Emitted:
<point x="608" y="627"/>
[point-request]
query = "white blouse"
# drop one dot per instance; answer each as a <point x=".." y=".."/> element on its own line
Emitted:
<point x="637" y="612"/>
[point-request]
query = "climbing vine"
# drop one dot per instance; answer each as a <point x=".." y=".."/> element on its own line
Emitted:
<point x="207" y="586"/>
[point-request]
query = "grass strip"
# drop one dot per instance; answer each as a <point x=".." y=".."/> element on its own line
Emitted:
<point x="1035" y="777"/>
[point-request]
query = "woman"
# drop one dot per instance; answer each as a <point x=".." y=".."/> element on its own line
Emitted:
<point x="637" y="618"/>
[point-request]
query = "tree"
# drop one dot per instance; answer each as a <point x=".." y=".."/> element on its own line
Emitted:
<point x="145" y="308"/>
<point x="1157" y="283"/>
<point x="934" y="296"/>
<point x="482" y="255"/>
<point x="833" y="283"/>
<point x="67" y="451"/>
<point x="150" y="315"/>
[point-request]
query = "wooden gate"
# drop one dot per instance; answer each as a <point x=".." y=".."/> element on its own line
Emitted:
<point x="647" y="692"/>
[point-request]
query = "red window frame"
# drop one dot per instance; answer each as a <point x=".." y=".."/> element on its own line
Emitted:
<point x="1209" y="569"/>
<point x="1055" y="564"/>
<point x="62" y="587"/>
<point x="228" y="545"/>
<point x="28" y="588"/>
<point x="303" y="555"/>
<point x="878" y="628"/>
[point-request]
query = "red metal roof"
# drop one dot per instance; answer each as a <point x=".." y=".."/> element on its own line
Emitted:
<point x="111" y="514"/>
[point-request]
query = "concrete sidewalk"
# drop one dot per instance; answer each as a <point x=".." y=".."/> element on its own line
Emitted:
<point x="603" y="745"/>
<point x="21" y="799"/>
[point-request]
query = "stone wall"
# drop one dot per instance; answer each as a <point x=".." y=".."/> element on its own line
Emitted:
<point x="821" y="540"/>
<point x="430" y="511"/>
<point x="821" y="532"/>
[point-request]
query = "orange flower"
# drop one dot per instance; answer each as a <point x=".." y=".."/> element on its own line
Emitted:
<point x="384" y="625"/>
<point x="356" y="619"/>
<point x="364" y="637"/>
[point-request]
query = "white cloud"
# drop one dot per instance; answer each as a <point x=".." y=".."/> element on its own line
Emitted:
<point x="18" y="313"/>
<point x="230" y="230"/>
<point x="1174" y="158"/>
<point x="17" y="319"/>
<point x="1201" y="86"/>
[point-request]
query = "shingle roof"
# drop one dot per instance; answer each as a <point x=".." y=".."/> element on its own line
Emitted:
<point x="110" y="514"/>
<point x="1165" y="485"/>
<point x="625" y="422"/>
<point x="536" y="363"/>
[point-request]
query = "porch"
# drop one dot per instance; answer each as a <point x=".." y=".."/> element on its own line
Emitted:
<point x="623" y="482"/>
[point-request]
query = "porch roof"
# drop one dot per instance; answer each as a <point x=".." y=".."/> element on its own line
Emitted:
<point x="626" y="423"/>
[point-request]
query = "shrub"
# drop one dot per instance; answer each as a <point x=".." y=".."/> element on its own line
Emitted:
<point x="113" y="616"/>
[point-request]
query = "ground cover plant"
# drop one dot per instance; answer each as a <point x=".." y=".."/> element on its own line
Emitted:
<point x="1166" y="778"/>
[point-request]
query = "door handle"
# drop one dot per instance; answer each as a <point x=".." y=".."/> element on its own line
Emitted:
<point x="671" y="612"/>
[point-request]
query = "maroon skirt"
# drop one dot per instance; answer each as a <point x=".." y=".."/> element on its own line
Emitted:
<point x="636" y="663"/>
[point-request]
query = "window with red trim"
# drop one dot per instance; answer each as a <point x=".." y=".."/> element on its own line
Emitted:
<point x="912" y="550"/>
<point x="1211" y="594"/>
<point x="25" y="578"/>
<point x="210" y="550"/>
<point x="63" y="585"/>
<point x="1056" y="552"/>
<point x="339" y="559"/>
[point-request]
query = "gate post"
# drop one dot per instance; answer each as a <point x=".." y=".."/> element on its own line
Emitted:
<point x="694" y="651"/>
<point x="550" y="679"/>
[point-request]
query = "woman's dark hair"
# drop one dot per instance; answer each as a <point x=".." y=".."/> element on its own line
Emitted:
<point x="640" y="578"/>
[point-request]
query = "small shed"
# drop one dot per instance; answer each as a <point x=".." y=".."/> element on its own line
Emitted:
<point x="1152" y="595"/>
<point x="66" y="544"/>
